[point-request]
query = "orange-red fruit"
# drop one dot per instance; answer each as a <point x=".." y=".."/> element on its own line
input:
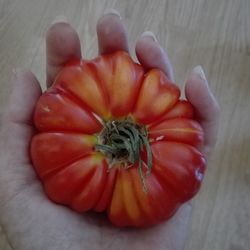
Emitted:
<point x="69" y="118"/>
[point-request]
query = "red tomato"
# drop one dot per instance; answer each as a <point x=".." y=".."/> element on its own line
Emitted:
<point x="114" y="138"/>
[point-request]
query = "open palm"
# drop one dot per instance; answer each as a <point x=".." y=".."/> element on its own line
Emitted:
<point x="30" y="220"/>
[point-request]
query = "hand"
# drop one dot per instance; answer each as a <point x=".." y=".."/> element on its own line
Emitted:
<point x="29" y="218"/>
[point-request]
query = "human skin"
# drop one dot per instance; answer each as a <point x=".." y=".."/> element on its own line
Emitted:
<point x="29" y="219"/>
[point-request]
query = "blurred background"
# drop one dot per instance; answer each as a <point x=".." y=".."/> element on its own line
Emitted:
<point x="212" y="33"/>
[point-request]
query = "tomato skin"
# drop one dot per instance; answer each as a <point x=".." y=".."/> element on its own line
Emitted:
<point x="183" y="169"/>
<point x="179" y="130"/>
<point x="157" y="95"/>
<point x="87" y="177"/>
<point x="106" y="196"/>
<point x="172" y="181"/>
<point x="121" y="79"/>
<point x="181" y="109"/>
<point x="70" y="117"/>
<point x="130" y="205"/>
<point x="58" y="111"/>
<point x="107" y="85"/>
<point x="53" y="150"/>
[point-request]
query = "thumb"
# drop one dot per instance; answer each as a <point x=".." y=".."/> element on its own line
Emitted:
<point x="16" y="133"/>
<point x="17" y="128"/>
<point x="17" y="120"/>
<point x="25" y="93"/>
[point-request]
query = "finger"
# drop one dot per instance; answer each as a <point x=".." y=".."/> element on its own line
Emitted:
<point x="151" y="55"/>
<point x="16" y="133"/>
<point x="18" y="120"/>
<point x="206" y="107"/>
<point x="25" y="93"/>
<point x="111" y="33"/>
<point x="62" y="44"/>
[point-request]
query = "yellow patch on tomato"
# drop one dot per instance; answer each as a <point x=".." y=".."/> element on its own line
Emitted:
<point x="129" y="198"/>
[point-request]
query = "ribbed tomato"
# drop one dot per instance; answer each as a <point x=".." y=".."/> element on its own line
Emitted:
<point x="112" y="137"/>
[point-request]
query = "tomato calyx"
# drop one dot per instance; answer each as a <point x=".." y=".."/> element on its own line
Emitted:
<point x="122" y="141"/>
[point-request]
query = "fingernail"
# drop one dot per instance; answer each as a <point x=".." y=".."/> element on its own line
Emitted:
<point x="200" y="72"/>
<point x="60" y="19"/>
<point x="113" y="12"/>
<point x="149" y="34"/>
